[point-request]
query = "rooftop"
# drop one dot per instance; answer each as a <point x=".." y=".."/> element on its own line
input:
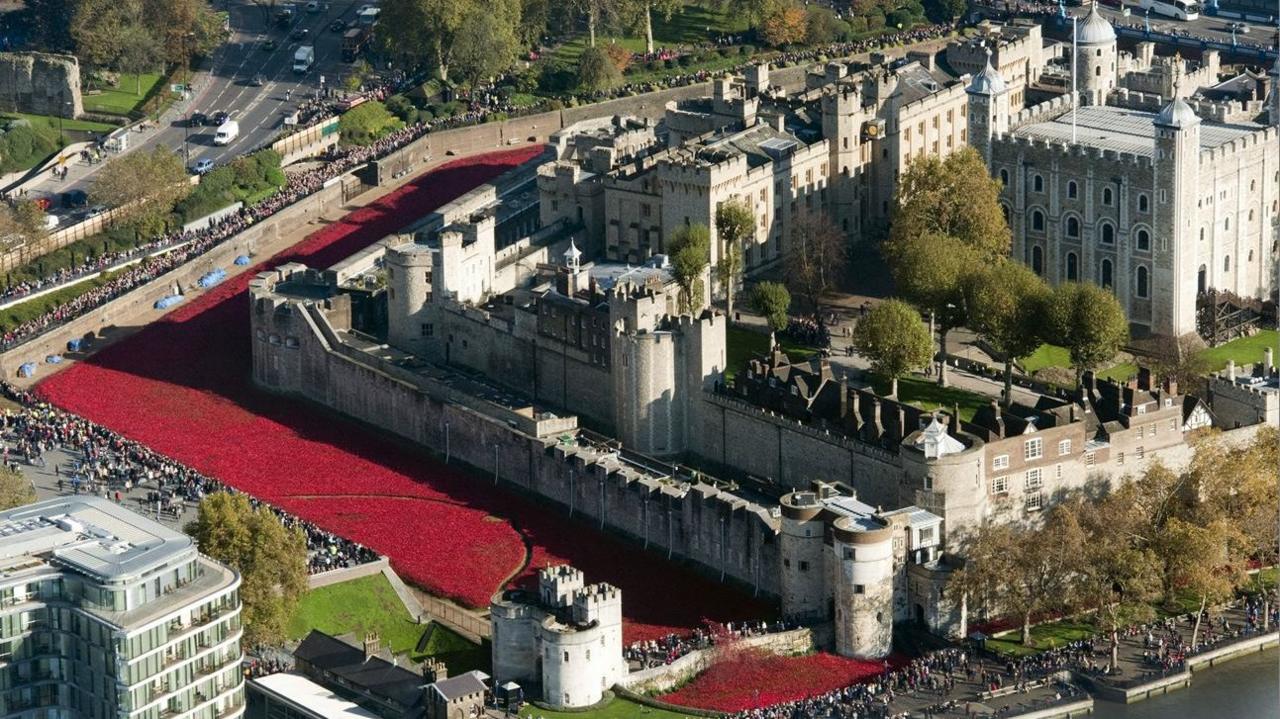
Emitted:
<point x="1123" y="130"/>
<point x="89" y="535"/>
<point x="302" y="692"/>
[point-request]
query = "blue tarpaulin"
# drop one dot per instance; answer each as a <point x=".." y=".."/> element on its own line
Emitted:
<point x="75" y="344"/>
<point x="27" y="369"/>
<point x="165" y="303"/>
<point x="53" y="359"/>
<point x="242" y="260"/>
<point x="212" y="278"/>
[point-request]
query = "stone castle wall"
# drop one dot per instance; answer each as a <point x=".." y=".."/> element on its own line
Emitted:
<point x="40" y="84"/>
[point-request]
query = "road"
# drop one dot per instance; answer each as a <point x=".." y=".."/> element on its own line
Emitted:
<point x="1216" y="28"/>
<point x="224" y="84"/>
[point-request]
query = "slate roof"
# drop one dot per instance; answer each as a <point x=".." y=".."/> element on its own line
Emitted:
<point x="375" y="675"/>
<point x="460" y="686"/>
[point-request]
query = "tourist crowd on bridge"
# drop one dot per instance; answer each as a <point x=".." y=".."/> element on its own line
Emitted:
<point x="112" y="466"/>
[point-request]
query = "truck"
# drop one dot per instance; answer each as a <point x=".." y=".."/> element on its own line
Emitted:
<point x="227" y="132"/>
<point x="354" y="42"/>
<point x="303" y="58"/>
<point x="284" y="17"/>
<point x="368" y="15"/>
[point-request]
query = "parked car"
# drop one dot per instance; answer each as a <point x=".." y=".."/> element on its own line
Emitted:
<point x="51" y="222"/>
<point x="202" y="166"/>
<point x="75" y="198"/>
<point x="338" y="25"/>
<point x="269" y="45"/>
<point x="219" y="118"/>
<point x="257" y="81"/>
<point x="313" y="6"/>
<point x="95" y="211"/>
<point x="197" y="119"/>
<point x="300" y="34"/>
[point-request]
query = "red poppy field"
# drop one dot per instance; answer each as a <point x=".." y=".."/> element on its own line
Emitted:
<point x="182" y="385"/>
<point x="750" y="679"/>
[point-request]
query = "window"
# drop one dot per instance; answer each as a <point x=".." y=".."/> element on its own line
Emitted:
<point x="1000" y="462"/>
<point x="1072" y="190"/>
<point x="859" y="589"/>
<point x="1141" y="452"/>
<point x="1104" y="274"/>
<point x="1037" y="260"/>
<point x="1033" y="449"/>
<point x="1004" y="178"/>
<point x="1073" y="267"/>
<point x="1000" y="485"/>
<point x="1035" y="479"/>
<point x="804" y="566"/>
<point x="1107" y="196"/>
<point x="1108" y="234"/>
<point x="1226" y="263"/>
<point x="1064" y="447"/>
<point x="849" y="554"/>
<point x="1142" y="290"/>
<point x="1037" y="220"/>
<point x="1144" y="240"/>
<point x="1073" y="227"/>
<point x="1144" y="203"/>
<point x="1034" y="502"/>
<point x="1038" y="183"/>
<point x="428" y="330"/>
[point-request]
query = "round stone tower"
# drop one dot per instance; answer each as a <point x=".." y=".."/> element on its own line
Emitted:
<point x="803" y="572"/>
<point x="1096" y="58"/>
<point x="408" y="295"/>
<point x="863" y="578"/>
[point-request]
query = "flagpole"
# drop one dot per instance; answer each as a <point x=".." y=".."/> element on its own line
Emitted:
<point x="1075" y="62"/>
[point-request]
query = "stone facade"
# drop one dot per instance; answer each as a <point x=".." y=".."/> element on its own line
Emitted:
<point x="40" y="84"/>
<point x="566" y="639"/>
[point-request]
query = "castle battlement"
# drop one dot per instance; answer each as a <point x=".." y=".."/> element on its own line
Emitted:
<point x="1066" y="149"/>
<point x="1041" y="111"/>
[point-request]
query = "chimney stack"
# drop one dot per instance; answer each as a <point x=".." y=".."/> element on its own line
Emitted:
<point x="371" y="645"/>
<point x="1231" y="370"/>
<point x="1144" y="379"/>
<point x="1268" y="357"/>
<point x="434" y="670"/>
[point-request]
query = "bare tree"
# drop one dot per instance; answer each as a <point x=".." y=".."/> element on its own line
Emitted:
<point x="815" y="260"/>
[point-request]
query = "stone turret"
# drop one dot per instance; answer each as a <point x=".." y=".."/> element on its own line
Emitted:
<point x="1096" y="69"/>
<point x="988" y="108"/>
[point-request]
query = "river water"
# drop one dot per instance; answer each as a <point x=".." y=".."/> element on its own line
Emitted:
<point x="1245" y="688"/>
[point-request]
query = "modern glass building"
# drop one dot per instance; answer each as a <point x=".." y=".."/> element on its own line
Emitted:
<point x="107" y="614"/>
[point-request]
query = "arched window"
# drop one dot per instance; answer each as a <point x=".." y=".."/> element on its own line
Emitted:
<point x="1144" y="204"/>
<point x="1037" y="220"/>
<point x="1037" y="260"/>
<point x="1038" y="183"/>
<point x="1073" y="267"/>
<point x="1104" y="274"/>
<point x="1141" y="289"/>
<point x="1202" y="279"/>
<point x="1004" y="209"/>
<point x="1144" y="240"/>
<point x="1004" y="178"/>
<point x="1097" y="71"/>
<point x="1107" y="196"/>
<point x="1072" y="190"/>
<point x="1108" y="234"/>
<point x="1226" y="263"/>
<point x="1073" y="227"/>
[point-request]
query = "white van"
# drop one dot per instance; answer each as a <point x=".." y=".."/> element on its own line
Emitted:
<point x="227" y="132"/>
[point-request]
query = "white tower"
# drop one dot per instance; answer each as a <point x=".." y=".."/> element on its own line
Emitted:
<point x="988" y="108"/>
<point x="1096" y="58"/>
<point x="1177" y="178"/>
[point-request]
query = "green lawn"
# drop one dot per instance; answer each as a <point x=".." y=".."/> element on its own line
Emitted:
<point x="19" y="313"/>
<point x="688" y="27"/>
<point x="1047" y="356"/>
<point x="370" y="604"/>
<point x="52" y="123"/>
<point x="125" y="97"/>
<point x="743" y="345"/>
<point x="616" y="709"/>
<point x="926" y="394"/>
<point x="1244" y="350"/>
<point x="1044" y="636"/>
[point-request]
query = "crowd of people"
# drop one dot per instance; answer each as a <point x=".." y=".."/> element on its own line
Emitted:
<point x="668" y="648"/>
<point x="109" y="465"/>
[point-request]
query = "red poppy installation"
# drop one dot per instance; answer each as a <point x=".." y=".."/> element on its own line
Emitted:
<point x="182" y="386"/>
<point x="747" y="679"/>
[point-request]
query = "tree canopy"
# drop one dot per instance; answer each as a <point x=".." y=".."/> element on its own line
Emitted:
<point x="816" y="258"/>
<point x="772" y="300"/>
<point x="1089" y="322"/>
<point x="271" y="559"/>
<point x="15" y="489"/>
<point x="895" y="340"/>
<point x="735" y="225"/>
<point x="1006" y="304"/>
<point x="690" y="254"/>
<point x="145" y="184"/>
<point x="955" y="197"/>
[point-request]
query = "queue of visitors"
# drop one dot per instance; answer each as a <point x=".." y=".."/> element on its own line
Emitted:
<point x="108" y="465"/>
<point x="667" y="649"/>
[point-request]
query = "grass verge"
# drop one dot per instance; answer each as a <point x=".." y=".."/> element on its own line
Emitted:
<point x="17" y="314"/>
<point x="1244" y="350"/>
<point x="926" y="394"/>
<point x="743" y="345"/>
<point x="51" y="123"/>
<point x="1043" y="636"/>
<point x="125" y="97"/>
<point x="616" y="709"/>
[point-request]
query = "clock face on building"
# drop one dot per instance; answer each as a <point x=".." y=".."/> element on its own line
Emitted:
<point x="872" y="130"/>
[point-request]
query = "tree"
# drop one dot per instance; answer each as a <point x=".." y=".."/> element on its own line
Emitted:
<point x="361" y="71"/>
<point x="597" y="13"/>
<point x="753" y="11"/>
<point x="894" y="338"/>
<point x="596" y="71"/>
<point x="15" y="489"/>
<point x="1006" y="305"/>
<point x="1182" y="360"/>
<point x="690" y="254"/>
<point x="485" y="44"/>
<point x="735" y="224"/>
<point x="422" y="31"/>
<point x="101" y="29"/>
<point x="271" y="560"/>
<point x="145" y="184"/>
<point x="1202" y="560"/>
<point x="182" y="28"/>
<point x="956" y="197"/>
<point x="815" y="259"/>
<point x="945" y="10"/>
<point x="1018" y="570"/>
<point x="931" y="271"/>
<point x="646" y="9"/>
<point x="785" y="25"/>
<point x="771" y="299"/>
<point x="25" y="219"/>
<point x="141" y="53"/>
<point x="1089" y="322"/>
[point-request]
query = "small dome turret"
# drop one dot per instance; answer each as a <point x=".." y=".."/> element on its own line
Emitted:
<point x="1095" y="30"/>
<point x="1177" y="114"/>
<point x="988" y="80"/>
